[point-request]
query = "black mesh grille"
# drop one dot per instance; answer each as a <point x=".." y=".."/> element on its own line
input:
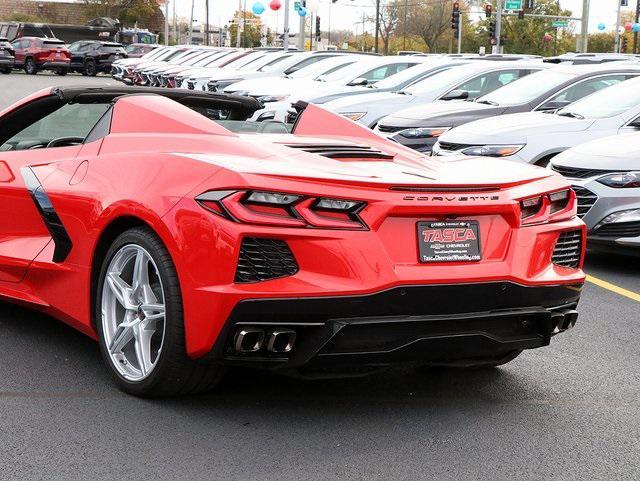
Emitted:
<point x="264" y="259"/>
<point x="575" y="173"/>
<point x="585" y="198"/>
<point x="619" y="229"/>
<point x="568" y="249"/>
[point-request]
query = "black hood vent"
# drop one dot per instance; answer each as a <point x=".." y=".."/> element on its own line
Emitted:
<point x="343" y="151"/>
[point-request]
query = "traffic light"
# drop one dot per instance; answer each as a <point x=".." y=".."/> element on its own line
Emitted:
<point x="455" y="18"/>
<point x="318" y="27"/>
<point x="625" y="45"/>
<point x="488" y="10"/>
<point x="520" y="14"/>
<point x="529" y="4"/>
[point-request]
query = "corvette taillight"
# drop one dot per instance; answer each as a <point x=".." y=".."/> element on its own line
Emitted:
<point x="284" y="209"/>
<point x="550" y="207"/>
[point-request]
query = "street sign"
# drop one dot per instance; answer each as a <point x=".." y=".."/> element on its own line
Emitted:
<point x="513" y="5"/>
<point x="559" y="23"/>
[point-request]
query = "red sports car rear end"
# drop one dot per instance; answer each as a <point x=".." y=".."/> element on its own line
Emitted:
<point x="194" y="245"/>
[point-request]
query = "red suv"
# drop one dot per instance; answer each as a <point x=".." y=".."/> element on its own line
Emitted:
<point x="35" y="54"/>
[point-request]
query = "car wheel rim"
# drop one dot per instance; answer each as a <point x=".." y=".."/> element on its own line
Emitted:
<point x="133" y="312"/>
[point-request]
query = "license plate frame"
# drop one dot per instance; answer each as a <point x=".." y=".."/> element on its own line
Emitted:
<point x="449" y="241"/>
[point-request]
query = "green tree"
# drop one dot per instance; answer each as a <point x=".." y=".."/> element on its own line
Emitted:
<point x="250" y="37"/>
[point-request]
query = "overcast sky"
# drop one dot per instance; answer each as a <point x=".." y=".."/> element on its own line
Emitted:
<point x="347" y="14"/>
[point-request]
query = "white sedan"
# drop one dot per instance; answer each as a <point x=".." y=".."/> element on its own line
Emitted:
<point x="536" y="137"/>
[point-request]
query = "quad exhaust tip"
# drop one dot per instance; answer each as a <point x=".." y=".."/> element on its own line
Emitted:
<point x="565" y="320"/>
<point x="249" y="339"/>
<point x="253" y="339"/>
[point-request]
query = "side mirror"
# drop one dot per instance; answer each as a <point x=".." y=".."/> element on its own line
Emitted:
<point x="456" y="95"/>
<point x="359" y="82"/>
<point x="553" y="105"/>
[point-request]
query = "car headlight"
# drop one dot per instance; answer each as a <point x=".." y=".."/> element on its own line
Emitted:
<point x="424" y="132"/>
<point x="355" y="116"/>
<point x="632" y="215"/>
<point x="272" y="98"/>
<point x="621" y="180"/>
<point x="493" y="150"/>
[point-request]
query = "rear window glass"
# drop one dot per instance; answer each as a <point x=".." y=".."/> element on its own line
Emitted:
<point x="53" y="42"/>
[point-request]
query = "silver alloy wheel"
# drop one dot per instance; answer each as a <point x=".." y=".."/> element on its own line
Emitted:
<point x="133" y="312"/>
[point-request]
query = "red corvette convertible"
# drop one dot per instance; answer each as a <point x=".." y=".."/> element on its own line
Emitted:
<point x="186" y="239"/>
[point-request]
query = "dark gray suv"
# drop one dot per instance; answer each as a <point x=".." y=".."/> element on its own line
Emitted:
<point x="7" y="56"/>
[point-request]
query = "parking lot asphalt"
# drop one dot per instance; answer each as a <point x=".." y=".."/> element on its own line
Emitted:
<point x="570" y="411"/>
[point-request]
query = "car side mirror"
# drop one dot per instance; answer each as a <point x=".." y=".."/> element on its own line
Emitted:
<point x="359" y="82"/>
<point x="553" y="105"/>
<point x="456" y="95"/>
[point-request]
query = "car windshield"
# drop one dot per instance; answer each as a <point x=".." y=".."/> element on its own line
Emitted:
<point x="274" y="64"/>
<point x="353" y="71"/>
<point x="441" y="80"/>
<point x="526" y="89"/>
<point x="246" y="60"/>
<point x="608" y="102"/>
<point x="407" y="75"/>
<point x="322" y="67"/>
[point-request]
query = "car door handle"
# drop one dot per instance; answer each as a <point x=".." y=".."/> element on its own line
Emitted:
<point x="6" y="175"/>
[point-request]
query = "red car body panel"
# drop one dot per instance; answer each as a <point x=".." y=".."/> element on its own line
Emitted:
<point x="160" y="155"/>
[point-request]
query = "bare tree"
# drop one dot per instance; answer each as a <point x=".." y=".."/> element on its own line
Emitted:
<point x="429" y="21"/>
<point x="389" y="20"/>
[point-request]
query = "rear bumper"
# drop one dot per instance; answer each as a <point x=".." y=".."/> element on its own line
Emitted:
<point x="434" y="324"/>
<point x="53" y="65"/>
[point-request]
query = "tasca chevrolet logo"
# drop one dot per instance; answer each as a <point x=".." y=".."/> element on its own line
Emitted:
<point x="451" y="198"/>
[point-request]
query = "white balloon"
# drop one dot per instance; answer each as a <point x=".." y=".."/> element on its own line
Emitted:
<point x="313" y="5"/>
<point x="621" y="30"/>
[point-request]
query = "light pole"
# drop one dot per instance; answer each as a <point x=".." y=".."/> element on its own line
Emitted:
<point x="617" y="44"/>
<point x="377" y="24"/>
<point x="584" y="26"/>
<point x="285" y="39"/>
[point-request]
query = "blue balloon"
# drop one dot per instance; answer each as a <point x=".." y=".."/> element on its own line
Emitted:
<point x="258" y="8"/>
<point x="636" y="27"/>
<point x="601" y="26"/>
<point x="302" y="12"/>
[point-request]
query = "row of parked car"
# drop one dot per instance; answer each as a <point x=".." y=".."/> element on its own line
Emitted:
<point x="88" y="57"/>
<point x="577" y="114"/>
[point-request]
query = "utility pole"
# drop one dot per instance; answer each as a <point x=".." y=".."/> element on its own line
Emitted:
<point x="635" y="34"/>
<point x="498" y="24"/>
<point x="285" y="39"/>
<point x="404" y="25"/>
<point x="191" y="23"/>
<point x="206" y="26"/>
<point x="617" y="44"/>
<point x="460" y="33"/>
<point x="329" y="26"/>
<point x="377" y="24"/>
<point x="584" y="26"/>
<point x="175" y="23"/>
<point x="301" y="35"/>
<point x="238" y="24"/>
<point x="166" y="22"/>
<point x="244" y="25"/>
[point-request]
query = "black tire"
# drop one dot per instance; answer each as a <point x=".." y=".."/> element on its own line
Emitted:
<point x="30" y="66"/>
<point x="62" y="72"/>
<point x="6" y="70"/>
<point x="90" y="69"/>
<point x="174" y="373"/>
